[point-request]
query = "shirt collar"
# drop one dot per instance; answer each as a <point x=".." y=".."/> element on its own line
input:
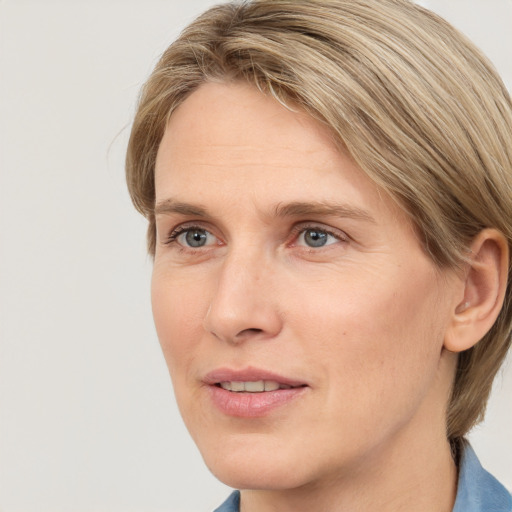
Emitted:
<point x="479" y="491"/>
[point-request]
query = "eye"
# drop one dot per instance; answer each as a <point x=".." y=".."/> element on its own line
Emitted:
<point x="316" y="237"/>
<point x="192" y="237"/>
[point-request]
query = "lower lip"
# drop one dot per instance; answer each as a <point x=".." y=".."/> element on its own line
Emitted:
<point x="252" y="405"/>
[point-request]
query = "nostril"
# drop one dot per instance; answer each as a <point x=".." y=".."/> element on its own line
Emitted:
<point x="250" y="331"/>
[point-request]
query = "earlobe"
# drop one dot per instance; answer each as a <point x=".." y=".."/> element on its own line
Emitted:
<point x="484" y="287"/>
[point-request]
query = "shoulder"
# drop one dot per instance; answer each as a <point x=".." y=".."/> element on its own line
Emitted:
<point x="478" y="490"/>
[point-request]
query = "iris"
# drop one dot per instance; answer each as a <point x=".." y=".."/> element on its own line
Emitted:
<point x="315" y="238"/>
<point x="196" y="237"/>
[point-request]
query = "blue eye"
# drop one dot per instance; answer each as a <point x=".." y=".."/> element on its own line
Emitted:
<point x="191" y="237"/>
<point x="315" y="237"/>
<point x="194" y="237"/>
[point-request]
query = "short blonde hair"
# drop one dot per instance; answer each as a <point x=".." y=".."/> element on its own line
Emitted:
<point x="418" y="107"/>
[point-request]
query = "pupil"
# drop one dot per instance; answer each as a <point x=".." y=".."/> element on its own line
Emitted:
<point x="196" y="238"/>
<point x="315" y="238"/>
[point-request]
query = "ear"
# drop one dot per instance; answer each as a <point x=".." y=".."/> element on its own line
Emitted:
<point x="483" y="289"/>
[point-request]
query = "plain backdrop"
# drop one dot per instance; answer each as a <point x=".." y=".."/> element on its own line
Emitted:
<point x="88" y="421"/>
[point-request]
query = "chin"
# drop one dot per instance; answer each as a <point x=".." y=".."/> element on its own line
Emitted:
<point x="256" y="468"/>
<point x="257" y="478"/>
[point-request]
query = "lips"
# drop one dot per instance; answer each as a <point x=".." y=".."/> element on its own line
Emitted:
<point x="249" y="374"/>
<point x="251" y="393"/>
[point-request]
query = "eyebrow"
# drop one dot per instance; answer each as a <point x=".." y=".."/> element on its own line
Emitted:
<point x="296" y="209"/>
<point x="293" y="209"/>
<point x="170" y="206"/>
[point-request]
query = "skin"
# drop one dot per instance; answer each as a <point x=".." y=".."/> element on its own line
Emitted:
<point x="361" y="320"/>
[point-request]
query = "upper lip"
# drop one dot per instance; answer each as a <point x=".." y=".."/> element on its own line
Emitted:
<point x="249" y="374"/>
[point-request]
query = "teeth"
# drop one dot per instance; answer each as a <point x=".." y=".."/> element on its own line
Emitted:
<point x="255" y="387"/>
<point x="258" y="386"/>
<point x="237" y="386"/>
<point x="271" y="386"/>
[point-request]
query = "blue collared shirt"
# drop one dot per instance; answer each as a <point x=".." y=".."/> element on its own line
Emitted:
<point x="477" y="491"/>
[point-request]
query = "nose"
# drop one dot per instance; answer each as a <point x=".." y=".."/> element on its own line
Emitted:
<point x="243" y="306"/>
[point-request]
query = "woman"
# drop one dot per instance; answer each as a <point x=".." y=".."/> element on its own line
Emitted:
<point x="328" y="190"/>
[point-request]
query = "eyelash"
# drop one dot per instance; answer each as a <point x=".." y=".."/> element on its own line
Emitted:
<point x="296" y="231"/>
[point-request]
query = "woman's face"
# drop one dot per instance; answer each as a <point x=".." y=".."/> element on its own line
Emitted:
<point x="301" y="321"/>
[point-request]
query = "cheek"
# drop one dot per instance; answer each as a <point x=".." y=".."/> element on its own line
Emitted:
<point x="178" y="312"/>
<point x="380" y="340"/>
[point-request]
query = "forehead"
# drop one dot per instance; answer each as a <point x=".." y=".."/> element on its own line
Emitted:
<point x="232" y="120"/>
<point x="228" y="143"/>
<point x="235" y="124"/>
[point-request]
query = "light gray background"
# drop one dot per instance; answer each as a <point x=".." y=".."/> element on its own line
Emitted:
<point x="87" y="415"/>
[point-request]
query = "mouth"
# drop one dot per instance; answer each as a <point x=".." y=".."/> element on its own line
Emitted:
<point x="258" y="386"/>
<point x="251" y="393"/>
